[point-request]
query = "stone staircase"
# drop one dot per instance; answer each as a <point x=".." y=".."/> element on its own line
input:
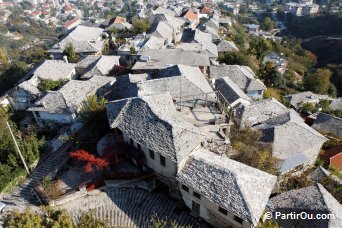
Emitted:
<point x="23" y="195"/>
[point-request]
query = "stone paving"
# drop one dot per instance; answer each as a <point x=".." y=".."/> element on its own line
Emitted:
<point x="128" y="207"/>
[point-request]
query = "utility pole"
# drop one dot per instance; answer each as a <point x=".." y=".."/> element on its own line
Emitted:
<point x="17" y="147"/>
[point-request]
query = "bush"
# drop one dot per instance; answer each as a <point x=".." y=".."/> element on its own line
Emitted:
<point x="48" y="84"/>
<point x="250" y="151"/>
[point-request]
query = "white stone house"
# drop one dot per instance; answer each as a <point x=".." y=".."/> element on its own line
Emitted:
<point x="62" y="106"/>
<point x="292" y="141"/>
<point x="242" y="76"/>
<point x="26" y="92"/>
<point x="152" y="125"/>
<point x="222" y="191"/>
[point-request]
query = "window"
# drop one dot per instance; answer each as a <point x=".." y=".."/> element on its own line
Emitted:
<point x="198" y="196"/>
<point x="131" y="141"/>
<point x="151" y="154"/>
<point x="139" y="147"/>
<point x="223" y="211"/>
<point x="195" y="207"/>
<point x="185" y="188"/>
<point x="162" y="160"/>
<point x="238" y="219"/>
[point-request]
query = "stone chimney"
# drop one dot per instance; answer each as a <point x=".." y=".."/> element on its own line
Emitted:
<point x="65" y="59"/>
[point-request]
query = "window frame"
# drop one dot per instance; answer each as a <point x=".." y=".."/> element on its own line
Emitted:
<point x="162" y="160"/>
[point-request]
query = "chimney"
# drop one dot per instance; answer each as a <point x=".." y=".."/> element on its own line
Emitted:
<point x="65" y="59"/>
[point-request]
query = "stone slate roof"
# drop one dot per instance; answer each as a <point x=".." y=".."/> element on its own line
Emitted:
<point x="196" y="36"/>
<point x="292" y="140"/>
<point x="161" y="29"/>
<point x="314" y="199"/>
<point x="30" y="86"/>
<point x="54" y="70"/>
<point x="154" y="43"/>
<point x="304" y="97"/>
<point x="177" y="80"/>
<point x="328" y="124"/>
<point x="98" y="65"/>
<point x="319" y="174"/>
<point x="259" y="112"/>
<point x="236" y="187"/>
<point x="161" y="58"/>
<point x="83" y="38"/>
<point x="69" y="98"/>
<point x="125" y="86"/>
<point x="336" y="104"/>
<point x="209" y="48"/>
<point x="230" y="91"/>
<point x="154" y="122"/>
<point x="226" y="46"/>
<point x="243" y="76"/>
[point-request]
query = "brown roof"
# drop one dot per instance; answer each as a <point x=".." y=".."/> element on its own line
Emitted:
<point x="68" y="23"/>
<point x="205" y="10"/>
<point x="336" y="161"/>
<point x="117" y="19"/>
<point x="191" y="15"/>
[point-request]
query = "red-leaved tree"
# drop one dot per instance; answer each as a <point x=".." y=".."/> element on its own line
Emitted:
<point x="91" y="160"/>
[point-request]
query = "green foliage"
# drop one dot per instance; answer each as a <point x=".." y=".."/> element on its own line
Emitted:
<point x="69" y="51"/>
<point x="271" y="76"/>
<point x="268" y="24"/>
<point x="37" y="56"/>
<point x="49" y="84"/>
<point x="87" y="219"/>
<point x="25" y="219"/>
<point x="250" y="151"/>
<point x="294" y="182"/>
<point x="239" y="36"/>
<point x="156" y="222"/>
<point x="308" y="107"/>
<point x="141" y="26"/>
<point x="51" y="218"/>
<point x="333" y="187"/>
<point x="11" y="168"/>
<point x="259" y="47"/>
<point x="93" y="110"/>
<point x="318" y="82"/>
<point x="12" y="73"/>
<point x="272" y="92"/>
<point x="236" y="58"/>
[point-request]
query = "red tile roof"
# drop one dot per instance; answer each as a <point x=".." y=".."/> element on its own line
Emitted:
<point x="191" y="15"/>
<point x="336" y="161"/>
<point x="68" y="23"/>
<point x="205" y="10"/>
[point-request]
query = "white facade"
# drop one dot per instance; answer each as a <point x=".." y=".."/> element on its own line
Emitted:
<point x="209" y="211"/>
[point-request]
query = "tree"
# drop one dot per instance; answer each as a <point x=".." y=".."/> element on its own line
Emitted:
<point x="69" y="51"/>
<point x="243" y="9"/>
<point x="93" y="110"/>
<point x="91" y="160"/>
<point x="11" y="75"/>
<point x="49" y="84"/>
<point x="268" y="24"/>
<point x="87" y="219"/>
<point x="141" y="26"/>
<point x="318" y="82"/>
<point x="271" y="76"/>
<point x="259" y="47"/>
<point x="281" y="13"/>
<point x="235" y="58"/>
